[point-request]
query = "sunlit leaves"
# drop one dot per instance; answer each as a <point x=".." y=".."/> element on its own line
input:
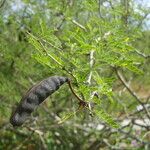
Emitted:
<point x="70" y="48"/>
<point x="43" y="59"/>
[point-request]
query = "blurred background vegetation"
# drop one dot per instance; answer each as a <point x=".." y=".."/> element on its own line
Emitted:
<point x="104" y="45"/>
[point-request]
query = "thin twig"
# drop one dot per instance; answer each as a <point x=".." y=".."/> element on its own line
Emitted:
<point x="79" y="25"/>
<point x="142" y="54"/>
<point x="130" y="90"/>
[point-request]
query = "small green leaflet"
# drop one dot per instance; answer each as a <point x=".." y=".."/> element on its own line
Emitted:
<point x="106" y="117"/>
<point x="67" y="116"/>
<point x="43" y="59"/>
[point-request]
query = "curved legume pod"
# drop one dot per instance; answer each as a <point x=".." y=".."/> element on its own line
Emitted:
<point x="35" y="96"/>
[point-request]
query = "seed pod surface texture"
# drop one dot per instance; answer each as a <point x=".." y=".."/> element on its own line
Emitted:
<point x="35" y="96"/>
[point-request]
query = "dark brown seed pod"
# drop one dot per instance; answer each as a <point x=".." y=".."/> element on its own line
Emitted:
<point x="35" y="96"/>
